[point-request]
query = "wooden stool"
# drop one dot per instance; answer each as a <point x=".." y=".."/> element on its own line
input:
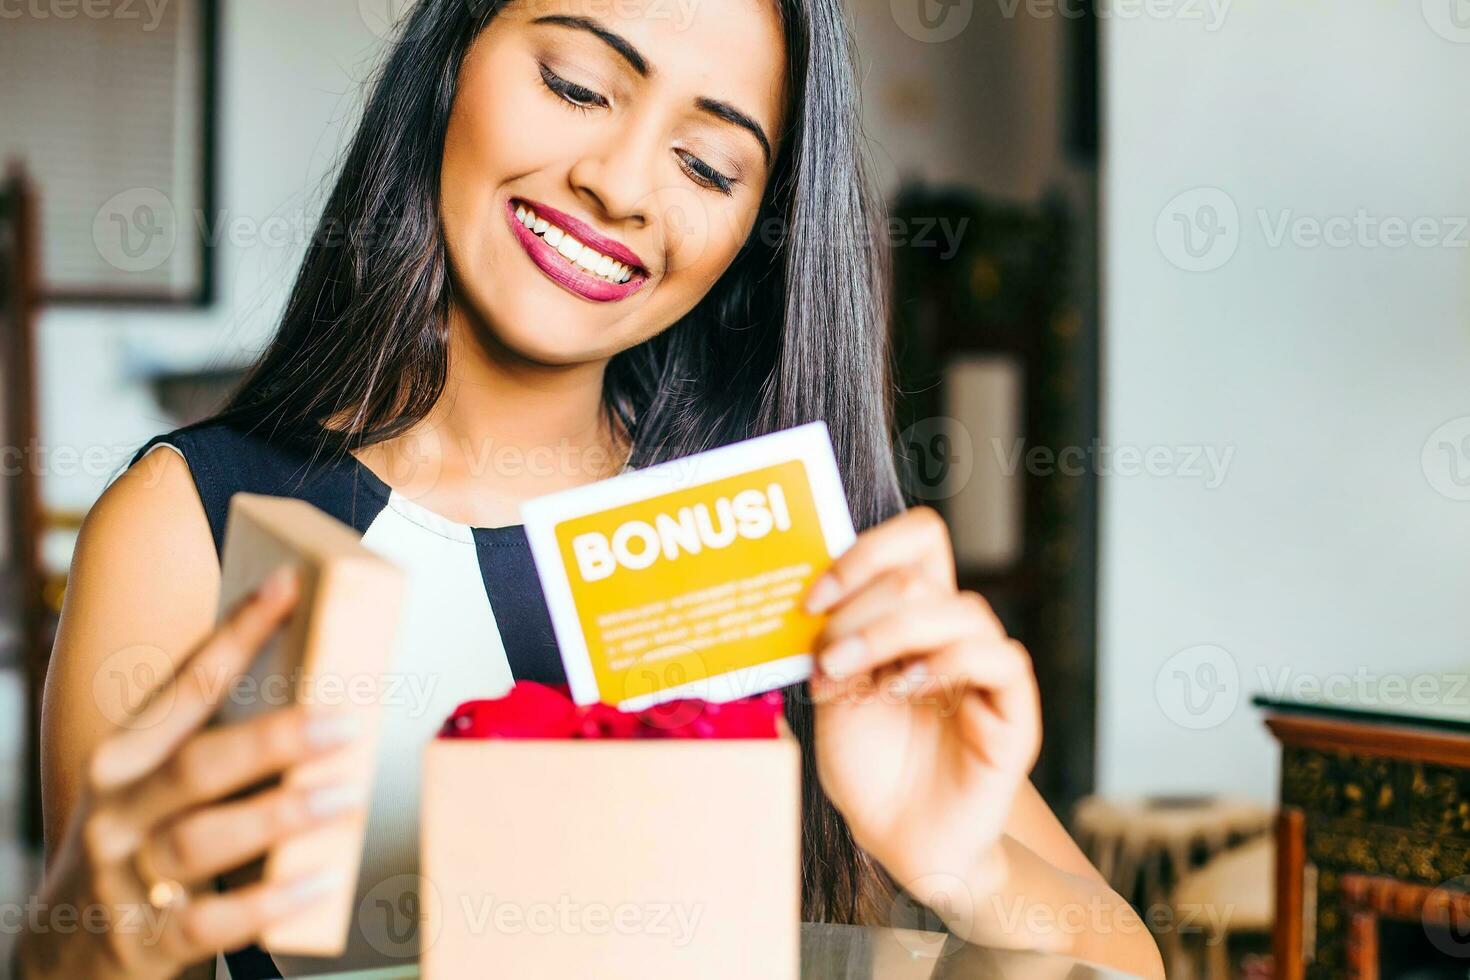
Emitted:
<point x="1232" y="894"/>
<point x="1144" y="847"/>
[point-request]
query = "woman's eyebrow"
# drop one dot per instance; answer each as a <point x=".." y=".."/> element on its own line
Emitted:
<point x="617" y="42"/>
<point x="729" y="113"/>
<point x="630" y="54"/>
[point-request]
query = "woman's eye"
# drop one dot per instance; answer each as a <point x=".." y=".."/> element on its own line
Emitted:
<point x="584" y="99"/>
<point x="576" y="95"/>
<point x="704" y="174"/>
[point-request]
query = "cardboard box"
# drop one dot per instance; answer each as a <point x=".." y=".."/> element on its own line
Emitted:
<point x="332" y="654"/>
<point x="619" y="859"/>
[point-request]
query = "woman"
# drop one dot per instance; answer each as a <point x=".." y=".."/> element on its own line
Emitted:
<point x="569" y="237"/>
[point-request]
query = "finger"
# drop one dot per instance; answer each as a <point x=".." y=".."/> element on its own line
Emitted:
<point x="988" y="688"/>
<point x="220" y="761"/>
<point x="232" y="919"/>
<point x="904" y="587"/>
<point x="212" y="841"/>
<point x="918" y="628"/>
<point x="1000" y="744"/>
<point x="917" y="536"/>
<point x="1001" y="671"/>
<point x="187" y="700"/>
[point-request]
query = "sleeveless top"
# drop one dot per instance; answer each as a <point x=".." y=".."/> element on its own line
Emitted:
<point x="474" y="621"/>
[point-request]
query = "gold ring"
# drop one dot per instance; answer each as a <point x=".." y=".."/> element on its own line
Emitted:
<point x="163" y="893"/>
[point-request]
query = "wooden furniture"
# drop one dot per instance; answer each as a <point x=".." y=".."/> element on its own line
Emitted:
<point x="1145" y="847"/>
<point x="1374" y="828"/>
<point x="22" y="523"/>
<point x="30" y="593"/>
<point x="1371" y="899"/>
<point x="1229" y="896"/>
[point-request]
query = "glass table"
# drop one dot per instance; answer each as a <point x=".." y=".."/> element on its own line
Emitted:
<point x="833" y="952"/>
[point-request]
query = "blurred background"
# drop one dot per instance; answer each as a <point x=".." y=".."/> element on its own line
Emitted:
<point x="1182" y="324"/>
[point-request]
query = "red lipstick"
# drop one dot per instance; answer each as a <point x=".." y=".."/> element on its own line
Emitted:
<point x="565" y="273"/>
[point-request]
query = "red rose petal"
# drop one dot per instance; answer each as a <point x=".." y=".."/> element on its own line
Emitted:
<point x="530" y="710"/>
<point x="533" y="710"/>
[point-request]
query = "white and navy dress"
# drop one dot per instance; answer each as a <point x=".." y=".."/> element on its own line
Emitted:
<point x="474" y="621"/>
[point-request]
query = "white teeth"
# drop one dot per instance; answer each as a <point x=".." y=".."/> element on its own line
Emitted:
<point x="572" y="250"/>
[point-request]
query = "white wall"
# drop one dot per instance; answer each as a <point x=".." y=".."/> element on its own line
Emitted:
<point x="1330" y="548"/>
<point x="290" y="74"/>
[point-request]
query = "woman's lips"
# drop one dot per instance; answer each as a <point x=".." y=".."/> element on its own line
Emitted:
<point x="563" y="271"/>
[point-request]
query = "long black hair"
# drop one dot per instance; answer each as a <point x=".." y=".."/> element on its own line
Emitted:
<point x="795" y="330"/>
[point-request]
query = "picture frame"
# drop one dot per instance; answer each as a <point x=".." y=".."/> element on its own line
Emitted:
<point x="142" y="80"/>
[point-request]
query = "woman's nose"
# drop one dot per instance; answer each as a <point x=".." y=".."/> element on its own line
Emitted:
<point x="617" y="180"/>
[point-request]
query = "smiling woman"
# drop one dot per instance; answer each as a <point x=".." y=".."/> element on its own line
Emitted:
<point x="670" y="158"/>
<point x="551" y="208"/>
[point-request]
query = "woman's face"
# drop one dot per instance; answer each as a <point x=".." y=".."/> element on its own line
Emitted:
<point x="640" y="135"/>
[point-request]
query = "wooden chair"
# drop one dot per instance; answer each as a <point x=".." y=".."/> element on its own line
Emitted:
<point x="22" y="523"/>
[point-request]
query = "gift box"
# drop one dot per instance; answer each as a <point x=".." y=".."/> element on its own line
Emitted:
<point x="336" y="645"/>
<point x="570" y="842"/>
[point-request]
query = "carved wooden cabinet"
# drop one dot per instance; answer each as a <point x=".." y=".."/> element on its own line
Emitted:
<point x="1373" y="842"/>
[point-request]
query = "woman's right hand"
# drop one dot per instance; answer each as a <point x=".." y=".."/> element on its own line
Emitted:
<point x="161" y="806"/>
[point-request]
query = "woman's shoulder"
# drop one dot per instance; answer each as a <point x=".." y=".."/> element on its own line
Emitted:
<point x="147" y="556"/>
<point x="223" y="458"/>
<point x="213" y="460"/>
<point x="148" y="525"/>
<point x="220" y="449"/>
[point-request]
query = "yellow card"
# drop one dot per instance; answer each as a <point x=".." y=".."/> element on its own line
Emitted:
<point x="685" y="579"/>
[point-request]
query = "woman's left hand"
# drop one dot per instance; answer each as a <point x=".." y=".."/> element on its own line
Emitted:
<point x="927" y="715"/>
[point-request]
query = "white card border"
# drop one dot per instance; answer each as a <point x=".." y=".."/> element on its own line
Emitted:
<point x="810" y="443"/>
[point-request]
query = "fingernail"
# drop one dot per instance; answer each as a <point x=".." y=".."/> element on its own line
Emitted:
<point x="312" y="886"/>
<point x="327" y="801"/>
<point x="333" y="729"/>
<point x="823" y="593"/>
<point x="277" y="584"/>
<point x="843" y="657"/>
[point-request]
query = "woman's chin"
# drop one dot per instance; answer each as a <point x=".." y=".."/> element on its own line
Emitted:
<point x="540" y="322"/>
<point x="554" y="342"/>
